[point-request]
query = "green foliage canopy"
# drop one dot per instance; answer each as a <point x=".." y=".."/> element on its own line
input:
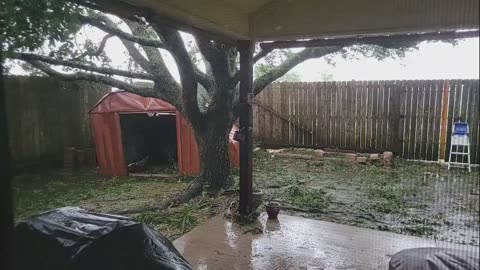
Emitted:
<point x="28" y="24"/>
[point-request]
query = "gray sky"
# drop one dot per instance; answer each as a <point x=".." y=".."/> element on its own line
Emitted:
<point x="435" y="60"/>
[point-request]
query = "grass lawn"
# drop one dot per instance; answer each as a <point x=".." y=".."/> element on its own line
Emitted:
<point x="35" y="193"/>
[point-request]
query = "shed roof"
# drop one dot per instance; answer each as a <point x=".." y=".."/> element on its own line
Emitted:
<point x="121" y="101"/>
<point x="293" y="19"/>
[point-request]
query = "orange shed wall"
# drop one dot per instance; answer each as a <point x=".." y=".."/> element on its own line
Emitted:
<point x="109" y="147"/>
<point x="188" y="155"/>
<point x="108" y="141"/>
<point x="110" y="153"/>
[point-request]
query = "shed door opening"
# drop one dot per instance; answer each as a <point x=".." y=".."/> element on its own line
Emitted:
<point x="150" y="142"/>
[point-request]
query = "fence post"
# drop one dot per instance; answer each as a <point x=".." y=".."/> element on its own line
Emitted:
<point x="444" y="123"/>
<point x="396" y="139"/>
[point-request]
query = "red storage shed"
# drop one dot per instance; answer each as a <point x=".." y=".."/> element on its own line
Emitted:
<point x="105" y="119"/>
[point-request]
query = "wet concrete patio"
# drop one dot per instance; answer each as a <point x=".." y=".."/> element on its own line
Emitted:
<point x="294" y="243"/>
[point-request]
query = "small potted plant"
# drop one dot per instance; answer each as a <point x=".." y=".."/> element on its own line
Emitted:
<point x="272" y="209"/>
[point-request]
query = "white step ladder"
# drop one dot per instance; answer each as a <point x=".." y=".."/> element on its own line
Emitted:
<point x="459" y="148"/>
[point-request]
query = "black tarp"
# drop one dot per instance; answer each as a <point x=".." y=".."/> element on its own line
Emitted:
<point x="74" y="238"/>
<point x="435" y="259"/>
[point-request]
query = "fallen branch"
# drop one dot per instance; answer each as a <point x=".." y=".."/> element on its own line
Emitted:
<point x="192" y="191"/>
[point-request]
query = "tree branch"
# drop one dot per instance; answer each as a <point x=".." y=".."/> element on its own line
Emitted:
<point x="262" y="53"/>
<point x="81" y="76"/>
<point x="164" y="81"/>
<point x="107" y="27"/>
<point x="204" y="79"/>
<point x="168" y="89"/>
<point x="68" y="63"/>
<point x="176" y="46"/>
<point x="117" y="8"/>
<point x="130" y="46"/>
<point x="221" y="59"/>
<point x="216" y="58"/>
<point x="99" y="50"/>
<point x="153" y="54"/>
<point x="277" y="72"/>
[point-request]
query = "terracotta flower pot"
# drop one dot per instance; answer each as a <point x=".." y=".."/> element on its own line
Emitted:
<point x="273" y="209"/>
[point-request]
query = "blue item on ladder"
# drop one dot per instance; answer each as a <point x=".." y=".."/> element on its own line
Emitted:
<point x="460" y="128"/>
<point x="459" y="146"/>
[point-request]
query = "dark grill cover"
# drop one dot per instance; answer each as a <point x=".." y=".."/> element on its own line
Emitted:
<point x="435" y="259"/>
<point x="74" y="238"/>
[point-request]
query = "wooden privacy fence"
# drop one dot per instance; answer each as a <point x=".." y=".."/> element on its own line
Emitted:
<point x="45" y="115"/>
<point x="412" y="118"/>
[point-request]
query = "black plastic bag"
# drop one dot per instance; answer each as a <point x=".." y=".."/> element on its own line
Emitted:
<point x="435" y="259"/>
<point x="74" y="238"/>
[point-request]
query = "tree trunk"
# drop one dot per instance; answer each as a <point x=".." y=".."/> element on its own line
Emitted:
<point x="214" y="155"/>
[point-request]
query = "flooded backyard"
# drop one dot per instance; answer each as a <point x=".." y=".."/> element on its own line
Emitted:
<point x="409" y="198"/>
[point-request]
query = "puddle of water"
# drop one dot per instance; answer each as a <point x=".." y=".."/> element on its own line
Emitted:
<point x="292" y="243"/>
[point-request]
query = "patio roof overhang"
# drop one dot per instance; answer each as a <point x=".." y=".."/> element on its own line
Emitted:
<point x="271" y="20"/>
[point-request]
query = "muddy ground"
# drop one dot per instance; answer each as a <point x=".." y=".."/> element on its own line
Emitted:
<point x="410" y="198"/>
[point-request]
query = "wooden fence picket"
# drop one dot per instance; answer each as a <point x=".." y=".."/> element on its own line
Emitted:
<point x="372" y="116"/>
